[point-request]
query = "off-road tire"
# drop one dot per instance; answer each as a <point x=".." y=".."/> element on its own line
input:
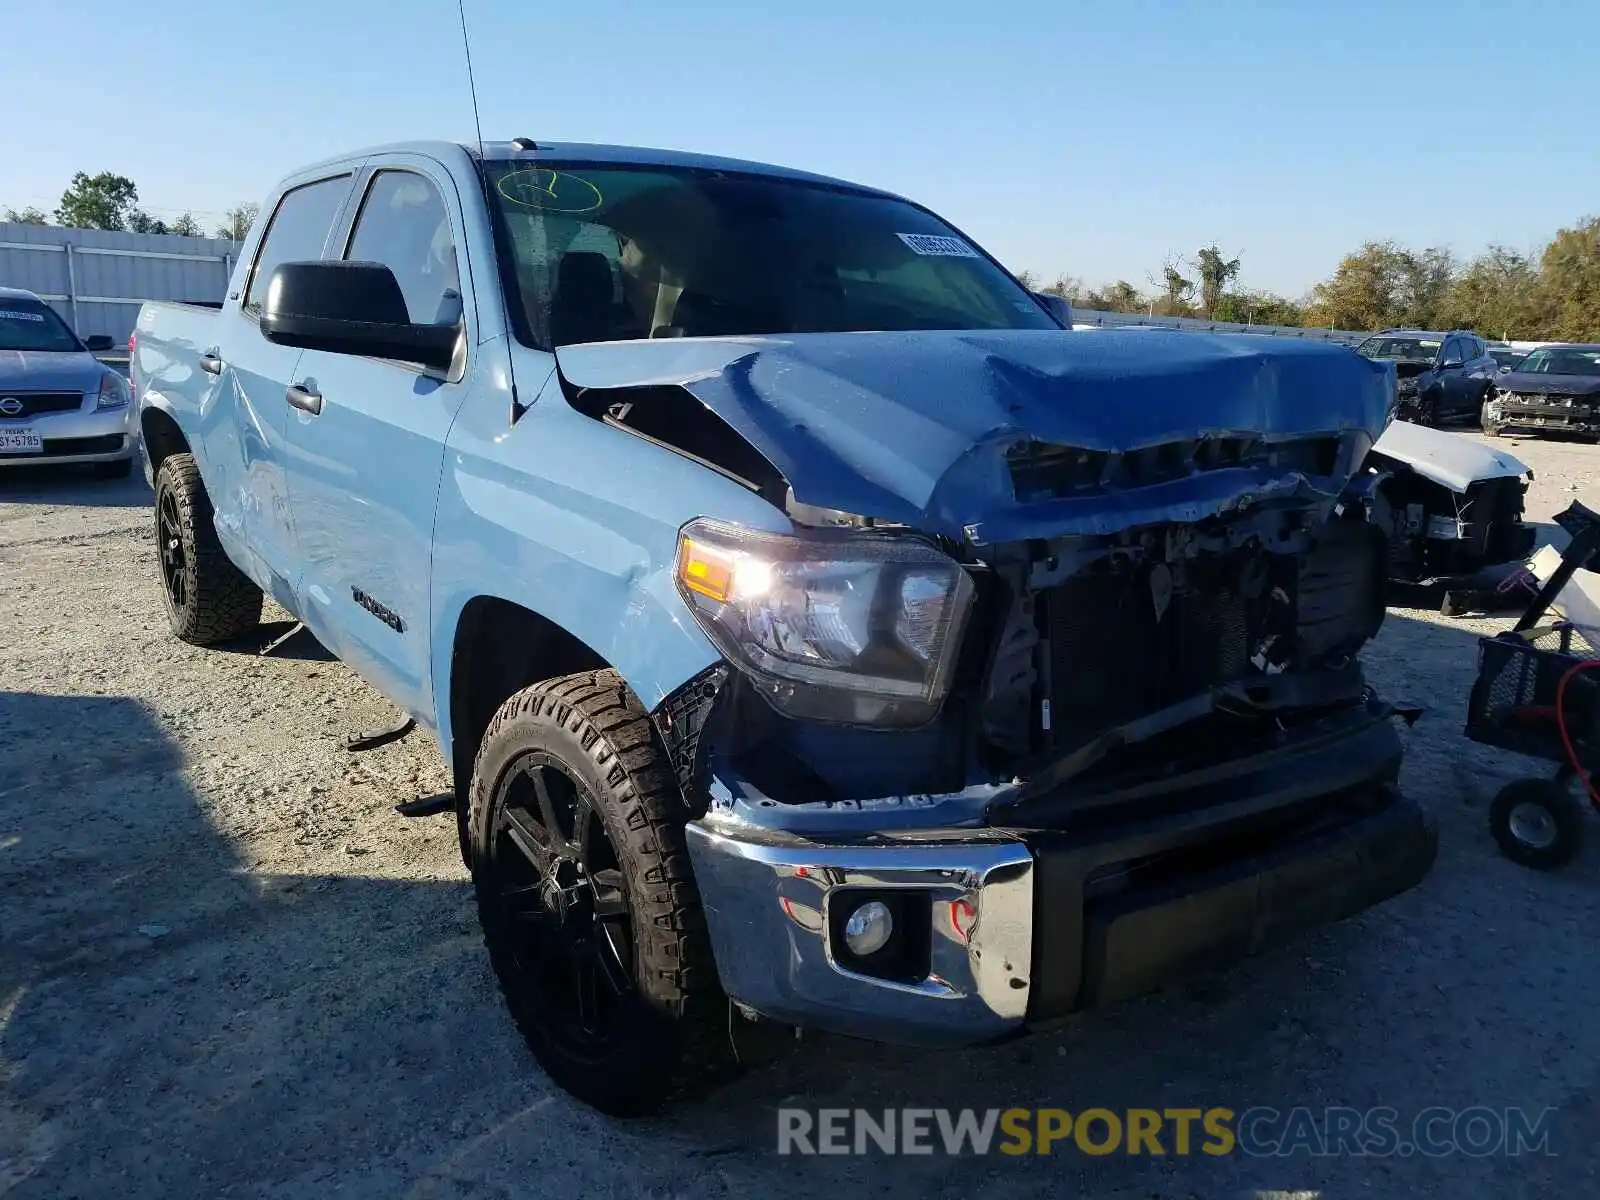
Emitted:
<point x="677" y="1041"/>
<point x="219" y="601"/>
<point x="1563" y="811"/>
<point x="120" y="469"/>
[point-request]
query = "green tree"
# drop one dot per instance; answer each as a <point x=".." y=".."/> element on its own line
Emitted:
<point x="1216" y="273"/>
<point x="1258" y="308"/>
<point x="1120" y="296"/>
<point x="237" y="221"/>
<point x="1177" y="290"/>
<point x="140" y="221"/>
<point x="186" y="226"/>
<point x="1363" y="292"/>
<point x="103" y="201"/>
<point x="1498" y="294"/>
<point x="1424" y="287"/>
<point x="1569" y="283"/>
<point x="28" y="216"/>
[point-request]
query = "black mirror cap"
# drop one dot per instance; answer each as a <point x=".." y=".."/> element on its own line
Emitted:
<point x="99" y="343"/>
<point x="350" y="308"/>
<point x="1057" y="306"/>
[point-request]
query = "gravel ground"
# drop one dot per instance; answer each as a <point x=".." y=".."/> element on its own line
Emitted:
<point x="228" y="967"/>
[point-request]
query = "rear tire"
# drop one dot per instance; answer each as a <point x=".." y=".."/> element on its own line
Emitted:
<point x="1538" y="823"/>
<point x="580" y="867"/>
<point x="208" y="599"/>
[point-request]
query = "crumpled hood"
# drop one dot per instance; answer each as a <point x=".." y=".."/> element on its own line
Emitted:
<point x="1446" y="458"/>
<point x="1563" y="385"/>
<point x="914" y="427"/>
<point x="49" y="371"/>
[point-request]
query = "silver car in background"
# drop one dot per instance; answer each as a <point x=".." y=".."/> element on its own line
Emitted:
<point x="58" y="403"/>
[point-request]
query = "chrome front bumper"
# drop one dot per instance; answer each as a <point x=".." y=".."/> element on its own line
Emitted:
<point x="769" y="901"/>
<point x="1053" y="910"/>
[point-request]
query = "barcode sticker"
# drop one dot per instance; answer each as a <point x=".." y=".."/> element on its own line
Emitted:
<point x="934" y="245"/>
<point x="11" y="314"/>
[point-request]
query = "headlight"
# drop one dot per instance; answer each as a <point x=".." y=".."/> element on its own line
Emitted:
<point x="855" y="628"/>
<point x="114" y="392"/>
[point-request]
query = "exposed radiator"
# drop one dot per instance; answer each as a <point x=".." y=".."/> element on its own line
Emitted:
<point x="1111" y="660"/>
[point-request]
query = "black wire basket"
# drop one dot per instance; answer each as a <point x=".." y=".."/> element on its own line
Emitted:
<point x="1513" y="701"/>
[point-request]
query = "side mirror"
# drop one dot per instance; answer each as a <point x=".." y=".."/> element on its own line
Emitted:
<point x="1057" y="307"/>
<point x="351" y="308"/>
<point x="1449" y="364"/>
<point x="99" y="343"/>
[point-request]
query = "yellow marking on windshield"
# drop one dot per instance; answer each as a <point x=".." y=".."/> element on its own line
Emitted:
<point x="550" y="191"/>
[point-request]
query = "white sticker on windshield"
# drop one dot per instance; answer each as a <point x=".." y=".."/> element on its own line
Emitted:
<point x="12" y="314"/>
<point x="935" y="245"/>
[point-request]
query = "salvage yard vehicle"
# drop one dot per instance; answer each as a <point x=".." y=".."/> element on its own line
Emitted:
<point x="1449" y="505"/>
<point x="58" y="404"/>
<point x="1555" y="388"/>
<point x="1442" y="376"/>
<point x="818" y="633"/>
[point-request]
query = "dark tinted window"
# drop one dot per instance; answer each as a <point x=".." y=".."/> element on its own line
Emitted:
<point x="1400" y="349"/>
<point x="1454" y="350"/>
<point x="299" y="228"/>
<point x="602" y="253"/>
<point x="27" y="324"/>
<point x="404" y="225"/>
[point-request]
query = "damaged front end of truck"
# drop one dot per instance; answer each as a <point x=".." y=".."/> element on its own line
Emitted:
<point x="1053" y="691"/>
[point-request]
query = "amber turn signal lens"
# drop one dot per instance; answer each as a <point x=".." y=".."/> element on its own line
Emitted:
<point x="704" y="570"/>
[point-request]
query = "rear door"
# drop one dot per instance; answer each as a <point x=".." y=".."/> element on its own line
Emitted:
<point x="244" y="431"/>
<point x="364" y="471"/>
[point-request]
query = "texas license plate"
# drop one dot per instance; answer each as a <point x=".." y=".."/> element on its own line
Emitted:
<point x="21" y="441"/>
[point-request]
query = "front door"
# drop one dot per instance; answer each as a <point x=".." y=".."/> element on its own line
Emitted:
<point x="364" y="469"/>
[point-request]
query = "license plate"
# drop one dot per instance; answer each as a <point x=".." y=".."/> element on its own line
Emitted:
<point x="21" y="441"/>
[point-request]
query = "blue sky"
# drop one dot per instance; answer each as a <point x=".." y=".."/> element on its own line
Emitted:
<point x="1089" y="139"/>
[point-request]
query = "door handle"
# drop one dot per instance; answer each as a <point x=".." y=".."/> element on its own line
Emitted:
<point x="210" y="363"/>
<point x="306" y="399"/>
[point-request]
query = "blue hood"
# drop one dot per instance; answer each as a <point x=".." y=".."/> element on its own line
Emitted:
<point x="915" y="427"/>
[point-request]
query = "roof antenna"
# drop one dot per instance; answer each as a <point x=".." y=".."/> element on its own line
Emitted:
<point x="472" y="86"/>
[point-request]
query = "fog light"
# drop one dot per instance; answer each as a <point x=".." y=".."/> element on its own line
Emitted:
<point x="869" y="928"/>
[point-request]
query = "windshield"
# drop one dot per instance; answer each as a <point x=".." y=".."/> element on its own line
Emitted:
<point x="27" y="324"/>
<point x="608" y="253"/>
<point x="1561" y="362"/>
<point x="1505" y="358"/>
<point x="1400" y="349"/>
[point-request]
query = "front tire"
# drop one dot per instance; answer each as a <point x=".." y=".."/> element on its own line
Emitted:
<point x="589" y="908"/>
<point x="208" y="599"/>
<point x="1537" y="823"/>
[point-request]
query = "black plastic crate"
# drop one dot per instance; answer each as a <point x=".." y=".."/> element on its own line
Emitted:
<point x="1513" y="702"/>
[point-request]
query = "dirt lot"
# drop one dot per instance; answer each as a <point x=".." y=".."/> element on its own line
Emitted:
<point x="228" y="967"/>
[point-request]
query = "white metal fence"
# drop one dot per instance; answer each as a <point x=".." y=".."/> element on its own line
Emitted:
<point x="96" y="279"/>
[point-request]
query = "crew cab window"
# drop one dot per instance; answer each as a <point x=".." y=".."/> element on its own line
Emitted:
<point x="405" y="226"/>
<point x="298" y="232"/>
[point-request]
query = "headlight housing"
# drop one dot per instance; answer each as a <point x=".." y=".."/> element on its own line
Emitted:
<point x="114" y="392"/>
<point x="857" y="629"/>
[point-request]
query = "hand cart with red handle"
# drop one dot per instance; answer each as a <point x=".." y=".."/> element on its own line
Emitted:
<point x="1538" y="693"/>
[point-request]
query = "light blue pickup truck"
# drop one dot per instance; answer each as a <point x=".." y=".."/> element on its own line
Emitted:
<point x="819" y="633"/>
